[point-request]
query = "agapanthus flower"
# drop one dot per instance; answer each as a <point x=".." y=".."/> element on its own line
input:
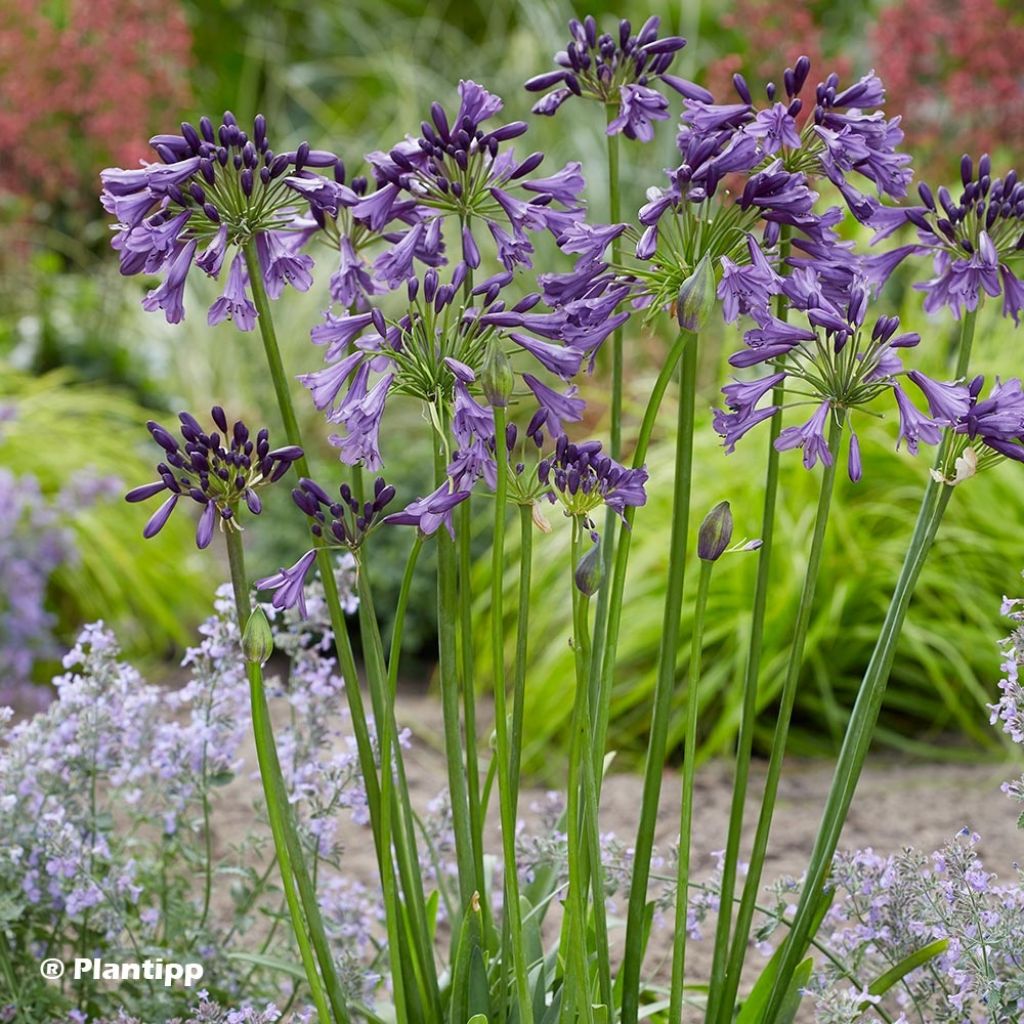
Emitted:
<point x="436" y="351"/>
<point x="988" y="431"/>
<point x="215" y="189"/>
<point x="342" y="522"/>
<point x="834" y="363"/>
<point x="622" y="69"/>
<point x="461" y="169"/>
<point x="976" y="241"/>
<point x="220" y="471"/>
<point x="582" y="478"/>
<point x="429" y="514"/>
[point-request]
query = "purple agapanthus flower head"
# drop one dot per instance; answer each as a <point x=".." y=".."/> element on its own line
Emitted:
<point x="976" y="240"/>
<point x="221" y="471"/>
<point x="582" y="478"/>
<point x="211" y="190"/>
<point x="834" y="360"/>
<point x="622" y="68"/>
<point x="990" y="431"/>
<point x="438" y="349"/>
<point x="459" y="167"/>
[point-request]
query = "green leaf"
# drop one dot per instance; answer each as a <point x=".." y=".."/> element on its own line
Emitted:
<point x="882" y="984"/>
<point x="272" y="963"/>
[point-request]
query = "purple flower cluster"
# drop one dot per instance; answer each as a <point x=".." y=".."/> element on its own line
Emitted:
<point x="621" y="68"/>
<point x="833" y="363"/>
<point x="889" y="907"/>
<point x="582" y="478"/>
<point x="1008" y="711"/>
<point x="215" y="189"/>
<point x="111" y="743"/>
<point x="976" y="240"/>
<point x="345" y="523"/>
<point x="459" y="168"/>
<point x="437" y="350"/>
<point x="218" y="471"/>
<point x="33" y="542"/>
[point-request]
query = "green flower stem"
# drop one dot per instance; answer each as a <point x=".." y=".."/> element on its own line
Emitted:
<point x="502" y="751"/>
<point x="675" y="1012"/>
<point x="574" y="951"/>
<point x="468" y="681"/>
<point x="859" y="731"/>
<point x="342" y="641"/>
<point x="592" y="864"/>
<point x="339" y="624"/>
<point x="614" y="214"/>
<point x="787" y="700"/>
<point x="397" y="821"/>
<point x="751" y="679"/>
<point x="660" y="713"/>
<point x="526" y="528"/>
<point x="606" y="642"/>
<point x="287" y="846"/>
<point x="615" y="439"/>
<point x="448" y="669"/>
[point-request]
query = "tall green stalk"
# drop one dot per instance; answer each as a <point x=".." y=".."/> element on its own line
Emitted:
<point x="448" y="670"/>
<point x="751" y="681"/>
<point x="633" y="956"/>
<point x="868" y="705"/>
<point x="468" y="684"/>
<point x="502" y="752"/>
<point x="602" y="667"/>
<point x="675" y="1013"/>
<point x="287" y="846"/>
<point x="787" y="700"/>
<point x="602" y="616"/>
<point x="526" y="528"/>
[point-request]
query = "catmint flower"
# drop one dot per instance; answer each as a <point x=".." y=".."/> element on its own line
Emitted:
<point x="715" y="533"/>
<point x="460" y="168"/>
<point x="621" y="69"/>
<point x="976" y="240"/>
<point x="582" y="478"/>
<point x="212" y="190"/>
<point x="219" y="471"/>
<point x="836" y="363"/>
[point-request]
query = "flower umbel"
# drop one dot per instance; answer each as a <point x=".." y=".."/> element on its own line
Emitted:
<point x="219" y="471"/>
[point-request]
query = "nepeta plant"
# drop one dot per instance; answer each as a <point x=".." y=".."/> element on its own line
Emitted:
<point x="436" y="299"/>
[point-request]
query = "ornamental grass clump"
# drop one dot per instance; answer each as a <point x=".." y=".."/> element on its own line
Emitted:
<point x="442" y="296"/>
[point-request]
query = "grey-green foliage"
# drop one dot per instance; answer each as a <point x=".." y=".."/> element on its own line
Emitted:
<point x="945" y="663"/>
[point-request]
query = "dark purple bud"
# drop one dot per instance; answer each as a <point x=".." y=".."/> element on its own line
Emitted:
<point x="739" y="83"/>
<point x="715" y="533"/>
<point x="300" y="156"/>
<point x="191" y="136"/>
<point x="252" y="499"/>
<point x="966" y="169"/>
<point x="800" y="72"/>
<point x="541" y="82"/>
<point x="211" y="212"/>
<point x="440" y="120"/>
<point x="926" y="195"/>
<point x="379" y="323"/>
<point x="159" y="518"/>
<point x="146" y="491"/>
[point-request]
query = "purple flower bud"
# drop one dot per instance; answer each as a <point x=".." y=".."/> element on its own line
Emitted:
<point x="715" y="533"/>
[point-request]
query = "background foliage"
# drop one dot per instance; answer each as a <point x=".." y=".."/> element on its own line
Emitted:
<point x="356" y="76"/>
